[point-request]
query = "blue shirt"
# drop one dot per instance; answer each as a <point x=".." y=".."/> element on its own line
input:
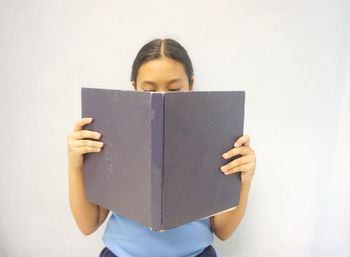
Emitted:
<point x="128" y="238"/>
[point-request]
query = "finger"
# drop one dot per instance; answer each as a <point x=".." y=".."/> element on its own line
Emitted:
<point x="91" y="143"/>
<point x="243" y="140"/>
<point x="243" y="150"/>
<point x="242" y="168"/>
<point x="81" y="122"/>
<point x="81" y="134"/>
<point x="237" y="162"/>
<point x="87" y="149"/>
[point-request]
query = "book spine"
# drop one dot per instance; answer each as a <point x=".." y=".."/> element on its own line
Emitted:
<point x="156" y="162"/>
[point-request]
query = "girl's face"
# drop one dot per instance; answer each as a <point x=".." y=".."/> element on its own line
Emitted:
<point x="160" y="75"/>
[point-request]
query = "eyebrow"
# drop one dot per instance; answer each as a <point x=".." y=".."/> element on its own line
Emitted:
<point x="154" y="84"/>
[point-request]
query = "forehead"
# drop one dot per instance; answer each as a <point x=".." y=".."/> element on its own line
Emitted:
<point x="162" y="69"/>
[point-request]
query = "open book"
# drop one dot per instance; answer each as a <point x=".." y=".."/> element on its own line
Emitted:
<point x="160" y="164"/>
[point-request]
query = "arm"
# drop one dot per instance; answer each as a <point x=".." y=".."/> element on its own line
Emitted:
<point x="87" y="215"/>
<point x="224" y="224"/>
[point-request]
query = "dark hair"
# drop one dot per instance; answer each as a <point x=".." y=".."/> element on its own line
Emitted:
<point x="162" y="47"/>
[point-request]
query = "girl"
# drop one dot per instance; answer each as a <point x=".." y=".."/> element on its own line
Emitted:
<point x="160" y="65"/>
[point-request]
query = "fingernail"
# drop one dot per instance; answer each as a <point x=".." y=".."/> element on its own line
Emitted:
<point x="236" y="144"/>
<point x="223" y="169"/>
<point x="225" y="155"/>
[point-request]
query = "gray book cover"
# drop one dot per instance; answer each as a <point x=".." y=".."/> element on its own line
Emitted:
<point x="160" y="164"/>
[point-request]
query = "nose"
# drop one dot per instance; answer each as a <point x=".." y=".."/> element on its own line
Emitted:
<point x="160" y="91"/>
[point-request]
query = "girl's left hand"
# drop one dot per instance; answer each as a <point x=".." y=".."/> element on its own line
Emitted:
<point x="244" y="164"/>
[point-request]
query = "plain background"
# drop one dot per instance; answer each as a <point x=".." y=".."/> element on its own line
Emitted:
<point x="292" y="57"/>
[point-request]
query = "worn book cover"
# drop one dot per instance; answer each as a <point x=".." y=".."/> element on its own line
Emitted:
<point x="160" y="164"/>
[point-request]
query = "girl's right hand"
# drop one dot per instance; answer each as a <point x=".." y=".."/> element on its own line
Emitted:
<point x="79" y="145"/>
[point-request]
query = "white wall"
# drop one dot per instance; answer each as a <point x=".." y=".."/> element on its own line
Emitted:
<point x="292" y="57"/>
